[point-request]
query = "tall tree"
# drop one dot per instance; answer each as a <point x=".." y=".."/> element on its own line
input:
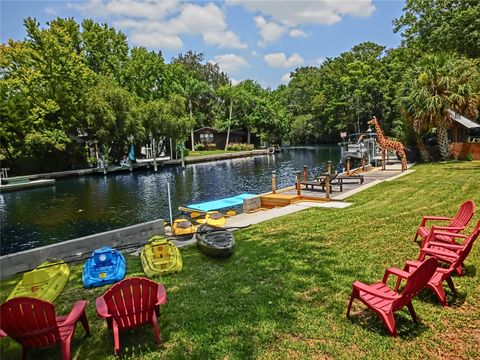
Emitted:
<point x="436" y="25"/>
<point x="439" y="83"/>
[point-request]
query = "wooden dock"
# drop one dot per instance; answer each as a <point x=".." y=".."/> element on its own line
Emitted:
<point x="26" y="184"/>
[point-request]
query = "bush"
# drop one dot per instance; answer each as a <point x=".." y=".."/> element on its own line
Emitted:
<point x="469" y="157"/>
<point x="199" y="147"/>
<point x="240" y="147"/>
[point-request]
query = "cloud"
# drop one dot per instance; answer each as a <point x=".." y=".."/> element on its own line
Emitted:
<point x="230" y="63"/>
<point x="295" y="33"/>
<point x="168" y="20"/>
<point x="286" y="78"/>
<point x="279" y="60"/>
<point x="269" y="31"/>
<point x="320" y="60"/>
<point x="294" y="13"/>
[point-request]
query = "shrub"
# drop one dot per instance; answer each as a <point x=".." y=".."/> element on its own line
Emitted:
<point x="469" y="157"/>
<point x="240" y="147"/>
<point x="199" y="147"/>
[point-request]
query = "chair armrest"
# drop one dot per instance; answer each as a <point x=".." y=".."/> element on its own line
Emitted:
<point x="439" y="254"/>
<point x="448" y="228"/>
<point x="412" y="263"/>
<point x="437" y="218"/>
<point x="2" y="333"/>
<point x="368" y="289"/>
<point x="102" y="308"/>
<point x="450" y="234"/>
<point x="452" y="247"/>
<point x="394" y="271"/>
<point x="77" y="311"/>
<point x="161" y="295"/>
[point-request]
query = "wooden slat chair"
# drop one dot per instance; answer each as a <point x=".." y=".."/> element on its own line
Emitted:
<point x="33" y="324"/>
<point x="456" y="224"/>
<point x="446" y="252"/>
<point x="384" y="301"/>
<point x="130" y="303"/>
<point x="456" y="256"/>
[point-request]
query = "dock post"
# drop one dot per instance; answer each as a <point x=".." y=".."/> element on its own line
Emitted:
<point x="363" y="164"/>
<point x="348" y="165"/>
<point x="274" y="181"/>
<point x="298" y="173"/>
<point x="305" y="173"/>
<point x="327" y="180"/>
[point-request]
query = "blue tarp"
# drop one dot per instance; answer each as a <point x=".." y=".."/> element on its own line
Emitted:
<point x="131" y="154"/>
<point x="221" y="203"/>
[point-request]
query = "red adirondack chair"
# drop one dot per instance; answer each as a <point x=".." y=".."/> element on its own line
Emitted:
<point x="130" y="303"/>
<point x="449" y="253"/>
<point x="384" y="301"/>
<point x="33" y="324"/>
<point x="455" y="225"/>
<point x="444" y="274"/>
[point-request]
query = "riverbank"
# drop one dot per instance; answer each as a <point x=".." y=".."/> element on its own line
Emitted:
<point x="284" y="292"/>
<point x="188" y="160"/>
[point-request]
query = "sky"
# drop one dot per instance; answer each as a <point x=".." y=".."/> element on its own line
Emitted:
<point x="260" y="40"/>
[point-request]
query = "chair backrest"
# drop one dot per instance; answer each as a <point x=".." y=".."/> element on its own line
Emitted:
<point x="417" y="281"/>
<point x="31" y="322"/>
<point x="467" y="247"/>
<point x="132" y="301"/>
<point x="464" y="214"/>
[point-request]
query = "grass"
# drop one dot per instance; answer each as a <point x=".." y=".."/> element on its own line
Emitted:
<point x="283" y="294"/>
<point x="209" y="152"/>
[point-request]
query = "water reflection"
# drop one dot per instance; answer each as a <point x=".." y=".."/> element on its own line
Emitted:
<point x="82" y="206"/>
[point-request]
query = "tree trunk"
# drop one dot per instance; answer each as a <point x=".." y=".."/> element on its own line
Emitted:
<point x="191" y="118"/>
<point x="248" y="136"/>
<point x="424" y="154"/>
<point x="229" y="122"/>
<point x="443" y="145"/>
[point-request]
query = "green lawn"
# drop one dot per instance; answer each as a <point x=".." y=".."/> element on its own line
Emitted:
<point x="283" y="294"/>
<point x="208" y="152"/>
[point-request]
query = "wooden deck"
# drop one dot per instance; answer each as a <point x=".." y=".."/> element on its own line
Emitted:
<point x="376" y="174"/>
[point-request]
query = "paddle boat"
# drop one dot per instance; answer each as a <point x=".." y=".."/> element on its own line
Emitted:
<point x="45" y="282"/>
<point x="215" y="218"/>
<point x="104" y="266"/>
<point x="183" y="227"/>
<point x="215" y="242"/>
<point x="160" y="256"/>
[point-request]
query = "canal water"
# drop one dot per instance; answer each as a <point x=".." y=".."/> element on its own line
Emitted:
<point x="82" y="206"/>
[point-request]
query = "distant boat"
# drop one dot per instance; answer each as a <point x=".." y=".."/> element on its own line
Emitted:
<point x="215" y="242"/>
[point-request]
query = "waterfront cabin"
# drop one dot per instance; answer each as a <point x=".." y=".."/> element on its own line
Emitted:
<point x="216" y="139"/>
<point x="465" y="136"/>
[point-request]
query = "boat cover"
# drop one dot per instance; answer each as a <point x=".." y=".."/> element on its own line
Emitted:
<point x="221" y="203"/>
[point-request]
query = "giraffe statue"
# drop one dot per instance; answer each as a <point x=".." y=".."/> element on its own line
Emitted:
<point x="387" y="144"/>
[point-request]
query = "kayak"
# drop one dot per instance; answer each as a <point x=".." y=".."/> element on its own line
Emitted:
<point x="160" y="256"/>
<point x="215" y="218"/>
<point x="45" y="282"/>
<point x="183" y="227"/>
<point x="105" y="266"/>
<point x="215" y="242"/>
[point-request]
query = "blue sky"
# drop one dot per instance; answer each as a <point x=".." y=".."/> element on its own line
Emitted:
<point x="261" y="40"/>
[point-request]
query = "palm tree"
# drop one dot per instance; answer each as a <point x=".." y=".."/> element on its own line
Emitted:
<point x="436" y="84"/>
<point x="192" y="89"/>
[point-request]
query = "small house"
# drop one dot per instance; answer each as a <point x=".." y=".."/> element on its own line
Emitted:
<point x="216" y="139"/>
<point x="461" y="136"/>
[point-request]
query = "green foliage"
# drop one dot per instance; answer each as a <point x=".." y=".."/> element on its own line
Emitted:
<point x="437" y="84"/>
<point x="240" y="147"/>
<point x="441" y="25"/>
<point x="469" y="157"/>
<point x="199" y="146"/>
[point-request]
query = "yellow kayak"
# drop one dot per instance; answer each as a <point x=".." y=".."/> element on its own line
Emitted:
<point x="183" y="227"/>
<point x="45" y="282"/>
<point x="215" y="218"/>
<point x="160" y="256"/>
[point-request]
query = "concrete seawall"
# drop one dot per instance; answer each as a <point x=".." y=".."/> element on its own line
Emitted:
<point x="29" y="259"/>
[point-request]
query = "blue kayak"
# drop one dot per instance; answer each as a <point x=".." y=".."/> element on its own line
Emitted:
<point x="105" y="266"/>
